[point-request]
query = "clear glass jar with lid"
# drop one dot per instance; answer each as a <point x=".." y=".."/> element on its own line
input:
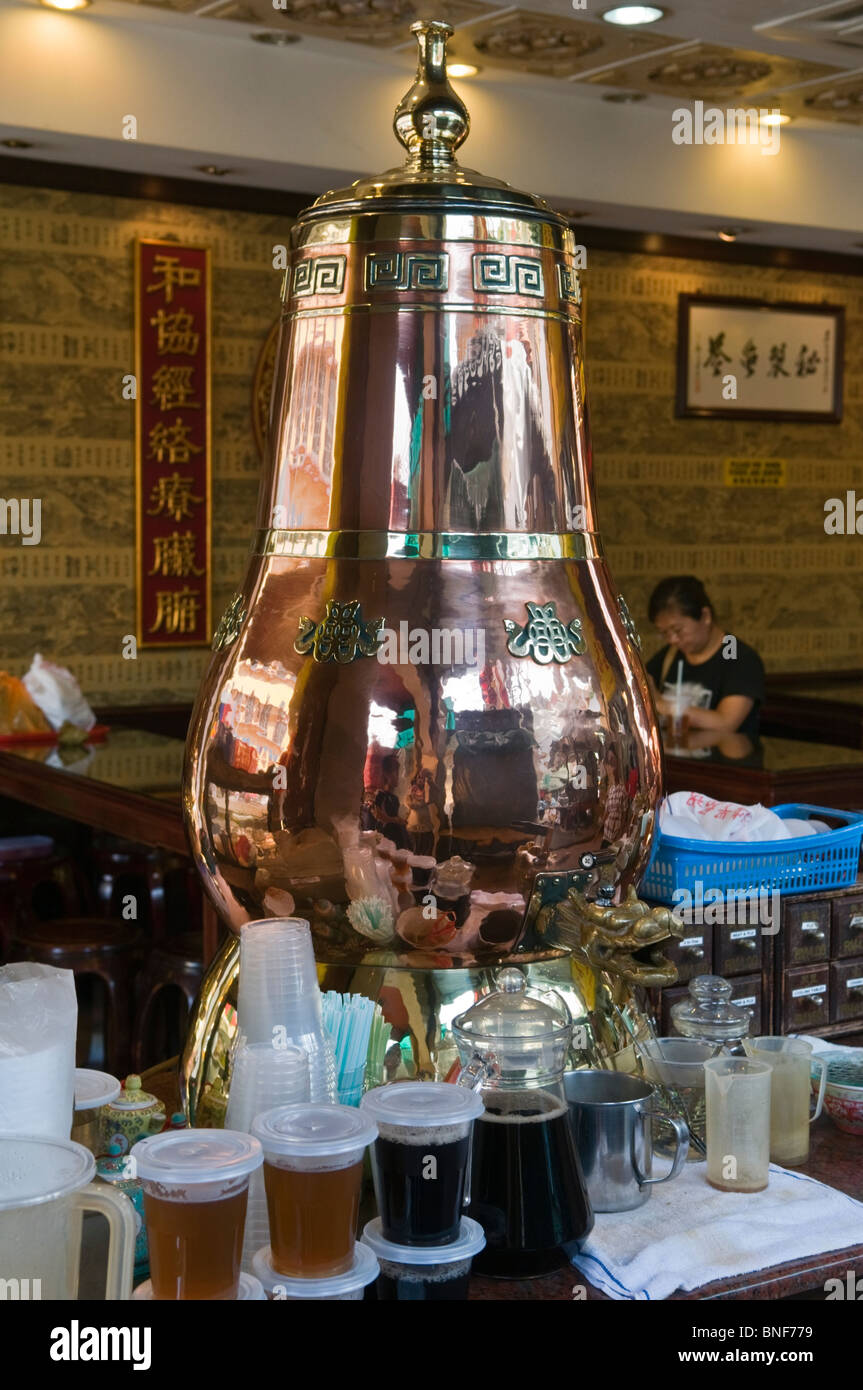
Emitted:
<point x="709" y="1014"/>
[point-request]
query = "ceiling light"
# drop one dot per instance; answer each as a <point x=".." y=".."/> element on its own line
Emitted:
<point x="624" y="98"/>
<point x="17" y="144"/>
<point x="634" y="14"/>
<point x="773" y="118"/>
<point x="213" y="170"/>
<point x="282" y="40"/>
<point x="461" y="70"/>
<point x="67" y="4"/>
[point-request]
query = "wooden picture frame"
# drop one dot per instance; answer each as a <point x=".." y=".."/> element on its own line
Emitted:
<point x="751" y="359"/>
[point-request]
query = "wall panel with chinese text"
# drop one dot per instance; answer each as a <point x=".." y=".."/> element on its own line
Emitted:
<point x="172" y="444"/>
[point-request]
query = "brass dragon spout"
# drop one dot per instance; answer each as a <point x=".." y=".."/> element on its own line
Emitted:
<point x="623" y="939"/>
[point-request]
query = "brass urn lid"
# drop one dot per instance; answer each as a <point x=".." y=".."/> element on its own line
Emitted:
<point x="432" y="121"/>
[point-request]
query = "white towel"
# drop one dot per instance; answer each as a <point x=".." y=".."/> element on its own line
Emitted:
<point x="688" y="1234"/>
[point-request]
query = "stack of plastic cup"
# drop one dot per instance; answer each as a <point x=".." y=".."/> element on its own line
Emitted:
<point x="313" y="1171"/>
<point x="262" y="1077"/>
<point x="279" y="998"/>
<point x="420" y="1166"/>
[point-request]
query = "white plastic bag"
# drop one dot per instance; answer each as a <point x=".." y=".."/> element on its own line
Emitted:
<point x="721" y="820"/>
<point x="58" y="695"/>
<point x="38" y="1026"/>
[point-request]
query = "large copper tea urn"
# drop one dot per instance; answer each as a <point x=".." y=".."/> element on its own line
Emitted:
<point x="426" y="726"/>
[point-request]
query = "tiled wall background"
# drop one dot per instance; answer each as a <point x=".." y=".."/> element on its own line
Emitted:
<point x="66" y="435"/>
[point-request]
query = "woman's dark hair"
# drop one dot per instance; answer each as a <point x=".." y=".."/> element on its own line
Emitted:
<point x="681" y="591"/>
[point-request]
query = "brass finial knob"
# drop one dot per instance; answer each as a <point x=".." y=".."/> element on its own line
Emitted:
<point x="431" y="120"/>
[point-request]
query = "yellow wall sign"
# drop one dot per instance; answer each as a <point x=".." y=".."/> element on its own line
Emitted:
<point x="755" y="472"/>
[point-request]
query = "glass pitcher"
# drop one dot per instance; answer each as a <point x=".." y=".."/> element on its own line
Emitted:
<point x="45" y="1184"/>
<point x="526" y="1186"/>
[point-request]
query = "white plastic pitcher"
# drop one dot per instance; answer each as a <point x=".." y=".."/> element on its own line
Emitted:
<point x="45" y="1185"/>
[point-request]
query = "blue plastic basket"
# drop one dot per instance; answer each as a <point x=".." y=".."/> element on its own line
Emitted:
<point x="805" y="865"/>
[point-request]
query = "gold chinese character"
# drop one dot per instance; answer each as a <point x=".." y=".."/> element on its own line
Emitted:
<point x="341" y="635"/>
<point x="174" y="333"/>
<point x="172" y="387"/>
<point x="173" y="495"/>
<point x="173" y="275"/>
<point x="172" y="441"/>
<point x="177" y="610"/>
<point x="174" y="555"/>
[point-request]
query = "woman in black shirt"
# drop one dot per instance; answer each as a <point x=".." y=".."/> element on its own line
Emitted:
<point x="683" y="615"/>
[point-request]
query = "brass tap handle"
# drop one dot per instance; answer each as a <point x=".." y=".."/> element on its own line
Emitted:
<point x="431" y="120"/>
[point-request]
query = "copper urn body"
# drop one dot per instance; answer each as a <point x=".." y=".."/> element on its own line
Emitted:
<point x="426" y="715"/>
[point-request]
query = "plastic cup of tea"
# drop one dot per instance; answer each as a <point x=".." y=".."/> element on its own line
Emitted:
<point x="425" y="1273"/>
<point x="349" y="1287"/>
<point x="420" y="1158"/>
<point x="313" y="1170"/>
<point x="93" y="1089"/>
<point x="196" y="1186"/>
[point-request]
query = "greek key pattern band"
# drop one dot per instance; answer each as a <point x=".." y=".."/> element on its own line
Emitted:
<point x="428" y="545"/>
<point x="496" y="273"/>
<point x="568" y="284"/>
<point x="407" y="270"/>
<point x="319" y="275"/>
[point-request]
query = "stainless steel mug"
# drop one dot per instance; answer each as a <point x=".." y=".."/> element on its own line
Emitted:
<point x="612" y="1119"/>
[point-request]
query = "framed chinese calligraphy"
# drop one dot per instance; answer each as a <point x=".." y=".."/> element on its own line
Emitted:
<point x="758" y="361"/>
<point x="172" y="444"/>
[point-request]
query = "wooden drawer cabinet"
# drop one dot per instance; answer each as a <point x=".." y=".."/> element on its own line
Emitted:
<point x="748" y="990"/>
<point x="807" y="999"/>
<point x="847" y="927"/>
<point x="737" y="949"/>
<point x="692" y="954"/>
<point x="806" y="926"/>
<point x="846" y="990"/>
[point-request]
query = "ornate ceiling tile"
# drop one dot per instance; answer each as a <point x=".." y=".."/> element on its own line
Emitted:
<point x="383" y="22"/>
<point x="551" y="45"/>
<point x="829" y="101"/>
<point x="710" y="73"/>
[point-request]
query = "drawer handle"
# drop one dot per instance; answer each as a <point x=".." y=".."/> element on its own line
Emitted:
<point x="814" y="929"/>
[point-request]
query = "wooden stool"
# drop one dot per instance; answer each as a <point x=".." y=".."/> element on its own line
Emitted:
<point x="37" y="886"/>
<point x="177" y="962"/>
<point x="123" y="869"/>
<point x="92" y="946"/>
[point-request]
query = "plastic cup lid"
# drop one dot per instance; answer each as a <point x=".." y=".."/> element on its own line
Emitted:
<point x="35" y="1170"/>
<point x="363" y="1270"/>
<point x="94" y="1088"/>
<point x="196" y="1155"/>
<point x="250" y="1288"/>
<point x="421" y="1104"/>
<point x="471" y="1239"/>
<point x="307" y="1130"/>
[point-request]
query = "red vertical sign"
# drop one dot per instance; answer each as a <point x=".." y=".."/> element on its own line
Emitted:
<point x="172" y="444"/>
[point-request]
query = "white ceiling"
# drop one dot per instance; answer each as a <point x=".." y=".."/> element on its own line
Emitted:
<point x="317" y="113"/>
